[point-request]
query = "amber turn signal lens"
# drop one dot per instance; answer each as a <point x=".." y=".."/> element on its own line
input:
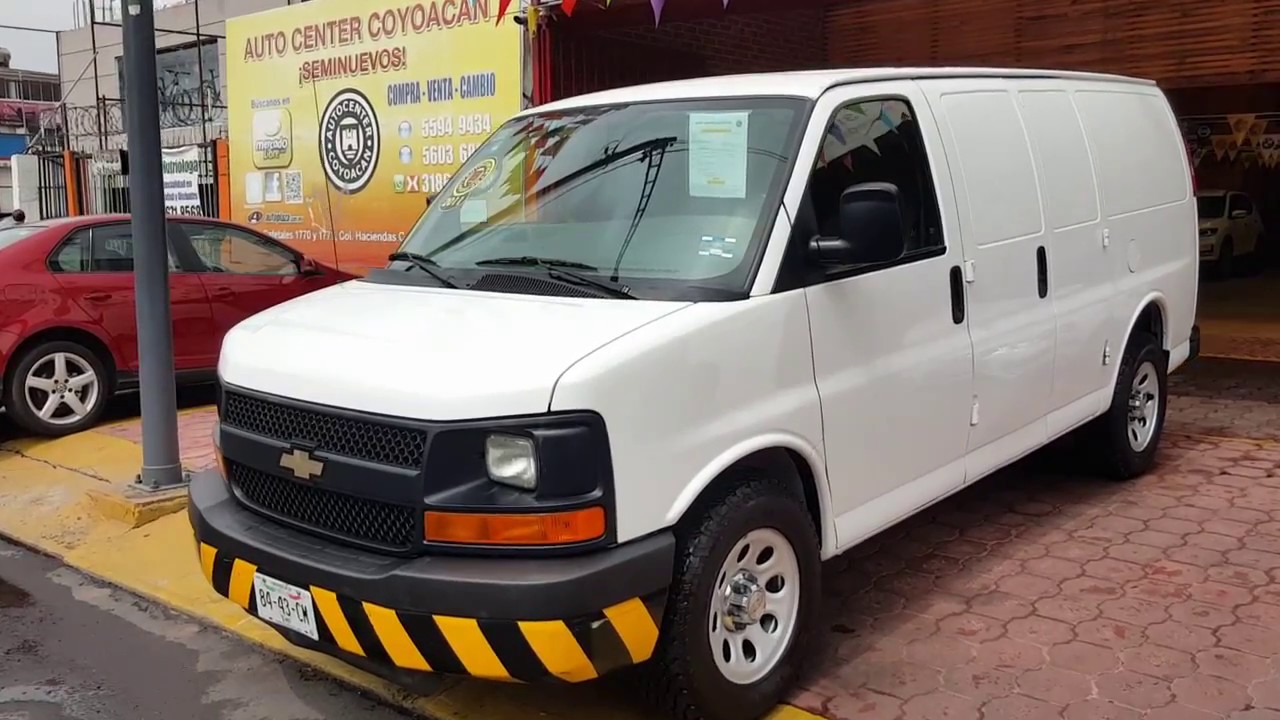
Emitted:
<point x="562" y="528"/>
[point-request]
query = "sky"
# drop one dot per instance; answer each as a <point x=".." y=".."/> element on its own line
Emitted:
<point x="35" y="50"/>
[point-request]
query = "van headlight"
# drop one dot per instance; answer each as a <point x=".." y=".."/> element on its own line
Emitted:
<point x="511" y="460"/>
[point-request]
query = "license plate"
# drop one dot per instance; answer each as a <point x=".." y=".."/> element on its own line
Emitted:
<point x="288" y="606"/>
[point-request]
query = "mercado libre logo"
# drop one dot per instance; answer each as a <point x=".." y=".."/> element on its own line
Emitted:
<point x="479" y="178"/>
<point x="349" y="141"/>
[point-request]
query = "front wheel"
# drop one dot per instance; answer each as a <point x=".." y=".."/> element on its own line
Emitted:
<point x="57" y="388"/>
<point x="742" y="605"/>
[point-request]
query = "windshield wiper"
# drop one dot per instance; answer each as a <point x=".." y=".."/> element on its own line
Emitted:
<point x="534" y="261"/>
<point x="562" y="270"/>
<point x="425" y="264"/>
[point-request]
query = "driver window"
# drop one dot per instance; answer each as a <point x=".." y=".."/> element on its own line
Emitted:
<point x="877" y="141"/>
<point x="1240" y="203"/>
<point x="224" y="249"/>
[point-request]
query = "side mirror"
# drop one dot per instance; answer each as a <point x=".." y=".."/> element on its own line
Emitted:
<point x="1239" y="214"/>
<point x="870" y="228"/>
<point x="308" y="267"/>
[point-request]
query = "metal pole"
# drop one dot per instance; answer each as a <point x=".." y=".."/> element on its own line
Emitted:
<point x="97" y="87"/>
<point x="204" y="120"/>
<point x="161" y="467"/>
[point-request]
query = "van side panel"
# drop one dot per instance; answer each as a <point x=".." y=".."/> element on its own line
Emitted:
<point x="1081" y="289"/>
<point x="1148" y="209"/>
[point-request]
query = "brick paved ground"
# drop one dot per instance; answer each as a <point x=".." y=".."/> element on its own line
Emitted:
<point x="195" y="436"/>
<point x="1226" y="398"/>
<point x="1242" y="346"/>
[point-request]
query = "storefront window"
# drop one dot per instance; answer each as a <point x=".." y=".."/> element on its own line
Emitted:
<point x="662" y="196"/>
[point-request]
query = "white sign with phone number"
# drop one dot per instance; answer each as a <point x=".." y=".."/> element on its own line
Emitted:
<point x="180" y="170"/>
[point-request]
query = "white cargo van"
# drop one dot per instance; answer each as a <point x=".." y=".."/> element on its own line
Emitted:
<point x="655" y="353"/>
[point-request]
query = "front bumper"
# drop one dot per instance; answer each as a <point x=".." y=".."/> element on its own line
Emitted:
<point x="521" y="619"/>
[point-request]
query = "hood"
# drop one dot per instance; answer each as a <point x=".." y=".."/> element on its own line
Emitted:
<point x="425" y="353"/>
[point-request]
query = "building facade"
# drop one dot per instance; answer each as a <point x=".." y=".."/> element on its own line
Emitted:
<point x="28" y="104"/>
<point x="190" y="64"/>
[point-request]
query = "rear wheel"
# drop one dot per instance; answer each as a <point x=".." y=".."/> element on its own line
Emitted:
<point x="1126" y="438"/>
<point x="741" y="608"/>
<point x="57" y="388"/>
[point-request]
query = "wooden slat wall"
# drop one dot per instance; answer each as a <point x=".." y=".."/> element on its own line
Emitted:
<point x="1178" y="42"/>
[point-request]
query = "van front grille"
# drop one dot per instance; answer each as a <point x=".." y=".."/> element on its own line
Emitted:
<point x="370" y="440"/>
<point x="386" y="525"/>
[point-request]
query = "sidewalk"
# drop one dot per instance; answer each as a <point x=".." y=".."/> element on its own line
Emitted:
<point x="1038" y="593"/>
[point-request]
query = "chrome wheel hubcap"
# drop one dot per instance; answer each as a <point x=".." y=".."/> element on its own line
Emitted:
<point x="755" y="606"/>
<point x="1144" y="406"/>
<point x="61" y="388"/>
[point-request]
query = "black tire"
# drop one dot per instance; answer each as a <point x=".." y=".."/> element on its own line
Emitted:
<point x="15" y="389"/>
<point x="1116" y="457"/>
<point x="684" y="680"/>
<point x="1224" y="268"/>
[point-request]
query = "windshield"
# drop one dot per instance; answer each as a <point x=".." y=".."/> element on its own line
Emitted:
<point x="1210" y="207"/>
<point x="669" y="200"/>
<point x="12" y="234"/>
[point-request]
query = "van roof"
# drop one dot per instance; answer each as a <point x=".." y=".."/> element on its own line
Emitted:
<point x="808" y="83"/>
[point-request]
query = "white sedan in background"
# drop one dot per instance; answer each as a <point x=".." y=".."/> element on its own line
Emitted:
<point x="1230" y="227"/>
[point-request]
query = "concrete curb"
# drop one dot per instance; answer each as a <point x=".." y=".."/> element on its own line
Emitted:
<point x="114" y="463"/>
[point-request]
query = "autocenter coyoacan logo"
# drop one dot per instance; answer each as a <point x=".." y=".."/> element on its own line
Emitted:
<point x="349" y="141"/>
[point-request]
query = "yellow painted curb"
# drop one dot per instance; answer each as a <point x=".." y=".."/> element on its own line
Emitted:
<point x="98" y="455"/>
<point x="134" y="507"/>
<point x="46" y="506"/>
<point x="114" y="463"/>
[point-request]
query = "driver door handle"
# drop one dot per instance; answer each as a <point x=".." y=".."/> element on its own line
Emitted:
<point x="97" y="296"/>
<point x="222" y="293"/>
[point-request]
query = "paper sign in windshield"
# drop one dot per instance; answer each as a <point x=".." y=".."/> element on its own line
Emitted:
<point x="712" y="246"/>
<point x="718" y="155"/>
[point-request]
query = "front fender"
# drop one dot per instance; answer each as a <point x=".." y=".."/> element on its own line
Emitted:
<point x="735" y="454"/>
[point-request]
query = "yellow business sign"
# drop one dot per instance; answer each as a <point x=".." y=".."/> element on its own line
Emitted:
<point x="345" y="114"/>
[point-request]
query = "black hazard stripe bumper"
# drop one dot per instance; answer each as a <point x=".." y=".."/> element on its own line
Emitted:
<point x="523" y="620"/>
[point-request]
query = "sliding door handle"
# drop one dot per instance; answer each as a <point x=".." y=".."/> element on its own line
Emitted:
<point x="1042" y="272"/>
<point x="957" y="295"/>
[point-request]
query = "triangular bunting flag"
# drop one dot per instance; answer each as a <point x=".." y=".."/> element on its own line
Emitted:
<point x="1220" y="146"/>
<point x="568" y="6"/>
<point x="503" y="5"/>
<point x="533" y="17"/>
<point x="657" y="10"/>
<point x="1240" y="125"/>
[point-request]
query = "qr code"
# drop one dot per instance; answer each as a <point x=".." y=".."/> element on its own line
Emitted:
<point x="293" y="187"/>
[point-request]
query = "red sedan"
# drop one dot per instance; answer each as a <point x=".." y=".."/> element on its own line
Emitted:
<point x="68" y="330"/>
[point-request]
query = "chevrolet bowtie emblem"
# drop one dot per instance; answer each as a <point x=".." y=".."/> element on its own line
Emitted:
<point x="304" y="466"/>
